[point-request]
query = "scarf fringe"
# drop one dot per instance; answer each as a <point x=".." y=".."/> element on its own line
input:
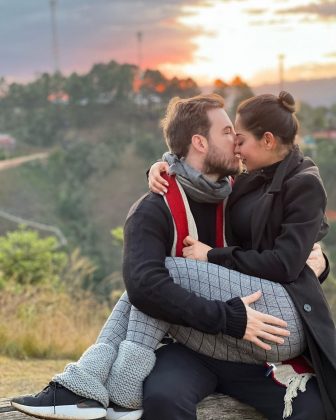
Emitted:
<point x="296" y="383"/>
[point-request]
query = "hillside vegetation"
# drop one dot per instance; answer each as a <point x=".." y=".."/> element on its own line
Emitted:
<point x="102" y="132"/>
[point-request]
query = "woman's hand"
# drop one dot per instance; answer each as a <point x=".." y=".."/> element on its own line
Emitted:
<point x="261" y="326"/>
<point x="316" y="260"/>
<point x="156" y="183"/>
<point x="195" y="249"/>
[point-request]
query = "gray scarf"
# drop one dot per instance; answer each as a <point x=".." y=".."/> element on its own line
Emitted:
<point x="197" y="186"/>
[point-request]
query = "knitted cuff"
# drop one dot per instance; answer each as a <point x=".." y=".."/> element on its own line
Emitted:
<point x="132" y="366"/>
<point x="236" y="318"/>
<point x="87" y="377"/>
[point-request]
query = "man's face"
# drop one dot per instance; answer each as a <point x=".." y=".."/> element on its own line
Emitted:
<point x="220" y="159"/>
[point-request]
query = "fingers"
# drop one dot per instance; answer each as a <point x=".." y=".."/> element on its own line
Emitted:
<point x="164" y="167"/>
<point x="261" y="344"/>
<point x="156" y="186"/>
<point x="156" y="183"/>
<point x="270" y="337"/>
<point x="189" y="240"/>
<point x="264" y="327"/>
<point x="316" y="246"/>
<point x="251" y="298"/>
<point x="270" y="329"/>
<point x="270" y="319"/>
<point x="187" y="251"/>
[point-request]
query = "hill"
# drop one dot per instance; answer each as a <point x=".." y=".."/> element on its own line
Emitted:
<point x="102" y="139"/>
<point x="319" y="92"/>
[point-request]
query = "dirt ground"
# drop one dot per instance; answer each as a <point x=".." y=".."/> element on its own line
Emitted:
<point x="19" y="377"/>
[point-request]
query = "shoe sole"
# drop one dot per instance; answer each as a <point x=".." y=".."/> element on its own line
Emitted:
<point x="119" y="415"/>
<point x="69" y="412"/>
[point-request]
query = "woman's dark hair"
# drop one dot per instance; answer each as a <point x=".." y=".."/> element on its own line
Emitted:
<point x="270" y="113"/>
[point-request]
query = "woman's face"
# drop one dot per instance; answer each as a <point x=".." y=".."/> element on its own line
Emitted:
<point x="251" y="150"/>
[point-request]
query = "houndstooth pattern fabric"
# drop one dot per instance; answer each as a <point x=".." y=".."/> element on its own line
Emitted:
<point x="115" y="328"/>
<point x="145" y="330"/>
<point x="215" y="283"/>
<point x="88" y="375"/>
<point x="219" y="283"/>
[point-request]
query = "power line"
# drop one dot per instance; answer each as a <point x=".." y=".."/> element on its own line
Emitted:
<point x="40" y="226"/>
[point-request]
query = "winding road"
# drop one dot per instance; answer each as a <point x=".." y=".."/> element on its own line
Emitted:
<point x="13" y="163"/>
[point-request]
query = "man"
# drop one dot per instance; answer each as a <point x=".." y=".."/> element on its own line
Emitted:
<point x="200" y="130"/>
<point x="181" y="377"/>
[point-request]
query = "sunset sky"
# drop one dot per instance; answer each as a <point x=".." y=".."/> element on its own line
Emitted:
<point x="204" y="39"/>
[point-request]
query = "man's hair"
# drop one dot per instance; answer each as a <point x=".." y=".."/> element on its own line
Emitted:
<point x="187" y="117"/>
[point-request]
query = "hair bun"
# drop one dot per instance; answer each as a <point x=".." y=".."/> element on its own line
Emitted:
<point x="287" y="101"/>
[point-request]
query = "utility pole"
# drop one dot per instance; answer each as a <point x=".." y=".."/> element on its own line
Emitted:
<point x="139" y="38"/>
<point x="53" y="4"/>
<point x="281" y="58"/>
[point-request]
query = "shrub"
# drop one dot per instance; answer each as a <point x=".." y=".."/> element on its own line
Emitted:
<point x="26" y="258"/>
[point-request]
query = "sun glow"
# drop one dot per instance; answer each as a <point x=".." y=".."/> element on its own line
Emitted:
<point x="247" y="37"/>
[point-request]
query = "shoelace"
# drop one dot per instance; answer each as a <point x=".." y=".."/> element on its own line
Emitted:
<point x="54" y="386"/>
<point x="51" y="386"/>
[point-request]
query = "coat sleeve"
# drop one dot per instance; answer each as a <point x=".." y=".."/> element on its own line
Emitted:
<point x="150" y="288"/>
<point x="304" y="202"/>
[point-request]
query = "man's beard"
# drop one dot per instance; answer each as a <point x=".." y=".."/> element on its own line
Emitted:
<point x="217" y="163"/>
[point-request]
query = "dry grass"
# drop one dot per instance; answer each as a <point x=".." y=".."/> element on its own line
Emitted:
<point x="44" y="323"/>
<point x="19" y="377"/>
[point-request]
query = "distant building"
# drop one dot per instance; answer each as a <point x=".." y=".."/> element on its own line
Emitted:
<point x="61" y="98"/>
<point x="325" y="134"/>
<point x="331" y="215"/>
<point x="7" y="142"/>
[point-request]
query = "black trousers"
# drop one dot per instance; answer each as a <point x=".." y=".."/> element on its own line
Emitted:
<point x="181" y="378"/>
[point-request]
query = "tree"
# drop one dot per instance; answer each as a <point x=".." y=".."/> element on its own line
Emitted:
<point x="241" y="91"/>
<point x="26" y="258"/>
<point x="221" y="88"/>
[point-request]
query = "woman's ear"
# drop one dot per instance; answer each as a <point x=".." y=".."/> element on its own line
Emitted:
<point x="269" y="141"/>
<point x="200" y="143"/>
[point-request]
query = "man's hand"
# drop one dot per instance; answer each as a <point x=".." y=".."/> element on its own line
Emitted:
<point x="316" y="260"/>
<point x="262" y="326"/>
<point x="156" y="183"/>
<point x="195" y="249"/>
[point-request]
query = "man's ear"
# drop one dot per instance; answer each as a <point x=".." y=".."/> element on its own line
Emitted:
<point x="269" y="140"/>
<point x="199" y="143"/>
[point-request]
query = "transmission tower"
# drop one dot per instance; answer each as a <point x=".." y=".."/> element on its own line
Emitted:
<point x="139" y="38"/>
<point x="55" y="50"/>
<point x="281" y="58"/>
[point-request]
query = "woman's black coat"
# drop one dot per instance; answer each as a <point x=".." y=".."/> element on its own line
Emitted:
<point x="287" y="221"/>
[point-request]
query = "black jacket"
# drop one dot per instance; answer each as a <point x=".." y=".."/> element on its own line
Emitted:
<point x="288" y="220"/>
<point x="148" y="239"/>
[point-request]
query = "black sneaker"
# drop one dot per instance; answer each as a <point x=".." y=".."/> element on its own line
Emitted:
<point x="57" y="402"/>
<point x="115" y="412"/>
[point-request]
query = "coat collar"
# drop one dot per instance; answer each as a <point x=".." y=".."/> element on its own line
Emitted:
<point x="245" y="183"/>
<point x="250" y="182"/>
<point x="291" y="161"/>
